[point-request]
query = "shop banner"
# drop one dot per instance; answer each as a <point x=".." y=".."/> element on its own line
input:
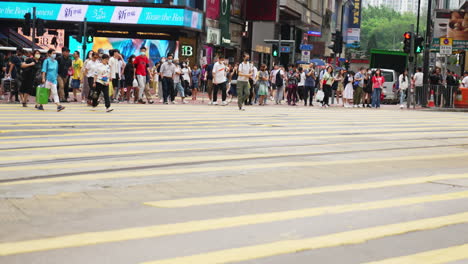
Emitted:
<point x="451" y="24"/>
<point x="224" y="21"/>
<point x="212" y="9"/>
<point x="353" y="32"/>
<point x="105" y="14"/>
<point x="261" y="10"/>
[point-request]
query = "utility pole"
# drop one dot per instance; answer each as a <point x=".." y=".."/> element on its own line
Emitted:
<point x="33" y="42"/>
<point x="410" y="98"/>
<point x="419" y="14"/>
<point x="426" y="53"/>
<point x="279" y="47"/>
<point x="85" y="38"/>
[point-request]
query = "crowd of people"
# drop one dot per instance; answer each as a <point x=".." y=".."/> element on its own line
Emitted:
<point x="113" y="79"/>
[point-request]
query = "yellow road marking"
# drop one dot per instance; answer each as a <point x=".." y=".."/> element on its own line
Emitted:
<point x="439" y="256"/>
<point x="248" y="134"/>
<point x="235" y="198"/>
<point x="358" y="236"/>
<point x="139" y="152"/>
<point x="92" y="238"/>
<point x="173" y="171"/>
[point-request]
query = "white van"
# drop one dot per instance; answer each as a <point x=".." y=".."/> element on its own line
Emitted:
<point x="391" y="80"/>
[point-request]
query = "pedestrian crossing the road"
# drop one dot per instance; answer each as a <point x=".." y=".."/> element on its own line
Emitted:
<point x="207" y="185"/>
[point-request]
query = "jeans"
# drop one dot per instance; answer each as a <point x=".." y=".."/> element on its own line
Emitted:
<point x="402" y="96"/>
<point x="242" y="92"/>
<point x="105" y="90"/>
<point x="168" y="89"/>
<point x="179" y="88"/>
<point x="217" y="87"/>
<point x="279" y="94"/>
<point x="309" y="93"/>
<point x="376" y="97"/>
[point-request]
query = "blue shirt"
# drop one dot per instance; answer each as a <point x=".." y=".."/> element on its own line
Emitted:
<point x="310" y="81"/>
<point x="50" y="67"/>
<point x="196" y="76"/>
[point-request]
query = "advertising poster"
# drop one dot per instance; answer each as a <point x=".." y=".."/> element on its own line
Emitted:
<point x="353" y="33"/>
<point x="156" y="48"/>
<point x="47" y="41"/>
<point x="212" y="9"/>
<point x="224" y="22"/>
<point x="451" y="24"/>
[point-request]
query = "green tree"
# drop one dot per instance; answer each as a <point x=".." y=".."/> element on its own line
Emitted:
<point x="383" y="28"/>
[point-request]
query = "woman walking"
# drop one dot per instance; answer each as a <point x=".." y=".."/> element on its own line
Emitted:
<point x="301" y="84"/>
<point x="196" y="74"/>
<point x="102" y="78"/>
<point x="49" y="78"/>
<point x="233" y="75"/>
<point x="263" y="84"/>
<point x="377" y="83"/>
<point x="348" y="91"/>
<point x="403" y="82"/>
<point x="293" y="80"/>
<point x="327" y="86"/>
<point x="31" y="77"/>
<point x="339" y="79"/>
<point x="129" y="73"/>
<point x="90" y="69"/>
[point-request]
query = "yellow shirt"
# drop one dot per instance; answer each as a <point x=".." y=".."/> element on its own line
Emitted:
<point x="77" y="66"/>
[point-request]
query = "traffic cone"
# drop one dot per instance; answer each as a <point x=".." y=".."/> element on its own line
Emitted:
<point x="431" y="101"/>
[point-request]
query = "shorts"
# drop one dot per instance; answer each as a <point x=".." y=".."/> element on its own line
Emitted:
<point x="75" y="84"/>
<point x="273" y="86"/>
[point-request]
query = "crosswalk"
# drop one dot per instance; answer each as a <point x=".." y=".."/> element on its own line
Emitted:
<point x="209" y="185"/>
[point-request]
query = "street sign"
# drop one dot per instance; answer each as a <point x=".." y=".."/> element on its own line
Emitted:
<point x="305" y="56"/>
<point x="306" y="47"/>
<point x="314" y="33"/>
<point x="285" y="49"/>
<point x="446" y="45"/>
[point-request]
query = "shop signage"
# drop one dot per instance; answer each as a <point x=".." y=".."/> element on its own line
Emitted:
<point x="314" y="33"/>
<point x="213" y="36"/>
<point x="105" y="14"/>
<point x="187" y="51"/>
<point x="224" y="21"/>
<point x="446" y="46"/>
<point x="306" y="47"/>
<point x="212" y="9"/>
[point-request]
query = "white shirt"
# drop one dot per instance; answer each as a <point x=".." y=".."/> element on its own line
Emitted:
<point x="114" y="67"/>
<point x="403" y="84"/>
<point x="302" y="81"/>
<point x="465" y="82"/>
<point x="418" y="79"/>
<point x="91" y="68"/>
<point x="245" y="68"/>
<point x="185" y="74"/>
<point x="219" y="73"/>
<point x="103" y="73"/>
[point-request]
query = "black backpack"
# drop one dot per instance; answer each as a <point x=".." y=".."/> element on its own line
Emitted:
<point x="279" y="79"/>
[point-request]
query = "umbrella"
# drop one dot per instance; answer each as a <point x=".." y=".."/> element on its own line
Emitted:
<point x="318" y="62"/>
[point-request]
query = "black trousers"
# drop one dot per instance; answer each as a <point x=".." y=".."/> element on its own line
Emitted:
<point x="91" y="88"/>
<point x="309" y="93"/>
<point x="252" y="91"/>
<point x="105" y="90"/>
<point x="217" y="87"/>
<point x="168" y="89"/>
<point x="327" y="90"/>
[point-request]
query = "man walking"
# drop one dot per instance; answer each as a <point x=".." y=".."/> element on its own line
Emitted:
<point x="209" y="80"/>
<point x="115" y="68"/>
<point x="65" y="66"/>
<point x="167" y="72"/>
<point x="141" y="69"/>
<point x="245" y="72"/>
<point x="219" y="80"/>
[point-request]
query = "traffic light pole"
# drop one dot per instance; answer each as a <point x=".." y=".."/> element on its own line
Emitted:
<point x="279" y="48"/>
<point x="33" y="29"/>
<point x="410" y="98"/>
<point x="427" y="52"/>
<point x="85" y="38"/>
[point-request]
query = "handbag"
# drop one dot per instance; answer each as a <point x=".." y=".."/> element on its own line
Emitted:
<point x="135" y="83"/>
<point x="42" y="94"/>
<point x="320" y="95"/>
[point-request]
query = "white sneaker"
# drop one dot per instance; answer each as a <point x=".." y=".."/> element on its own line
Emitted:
<point x="83" y="101"/>
<point x="402" y="106"/>
<point x="161" y="100"/>
<point x="224" y="103"/>
<point x="359" y="106"/>
<point x="184" y="102"/>
<point x="173" y="102"/>
<point x="242" y="109"/>
<point x="215" y="103"/>
<point x="354" y="106"/>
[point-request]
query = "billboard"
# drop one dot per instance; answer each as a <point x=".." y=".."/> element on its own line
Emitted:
<point x="47" y="40"/>
<point x="261" y="10"/>
<point x="451" y="24"/>
<point x="353" y="32"/>
<point x="156" y="48"/>
<point x="105" y="14"/>
<point x="212" y="9"/>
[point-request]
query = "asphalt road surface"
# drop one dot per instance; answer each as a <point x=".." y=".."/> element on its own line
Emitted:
<point x="198" y="184"/>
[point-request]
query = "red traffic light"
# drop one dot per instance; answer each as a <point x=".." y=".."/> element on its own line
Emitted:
<point x="407" y="35"/>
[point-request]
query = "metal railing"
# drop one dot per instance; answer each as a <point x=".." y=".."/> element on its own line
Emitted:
<point x="442" y="96"/>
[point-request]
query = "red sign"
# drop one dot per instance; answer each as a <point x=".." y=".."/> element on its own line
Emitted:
<point x="266" y="12"/>
<point x="212" y="9"/>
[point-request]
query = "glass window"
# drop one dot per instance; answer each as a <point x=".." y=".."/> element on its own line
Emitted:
<point x="388" y="76"/>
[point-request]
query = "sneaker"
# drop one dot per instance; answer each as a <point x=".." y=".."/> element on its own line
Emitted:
<point x="161" y="100"/>
<point x="210" y="103"/>
<point x="173" y="102"/>
<point x="359" y="106"/>
<point x="215" y="103"/>
<point x="151" y="102"/>
<point x="224" y="103"/>
<point x="242" y="109"/>
<point x="402" y="106"/>
<point x="108" y="110"/>
<point x="25" y="105"/>
<point x="369" y="106"/>
<point x="354" y="106"/>
<point x="40" y="108"/>
<point x="83" y="101"/>
<point x="166" y="103"/>
<point x="75" y="100"/>
<point x="184" y="102"/>
<point x="141" y="102"/>
<point x="60" y="108"/>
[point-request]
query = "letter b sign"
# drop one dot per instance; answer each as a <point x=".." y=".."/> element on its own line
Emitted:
<point x="187" y="51"/>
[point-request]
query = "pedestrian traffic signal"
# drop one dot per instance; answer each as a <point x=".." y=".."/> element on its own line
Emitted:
<point x="79" y="34"/>
<point x="274" y="50"/>
<point x="90" y="35"/>
<point x="40" y="27"/>
<point x="407" y="42"/>
<point x="346" y="64"/>
<point x="27" y="24"/>
<point x="337" y="43"/>
<point x="418" y="44"/>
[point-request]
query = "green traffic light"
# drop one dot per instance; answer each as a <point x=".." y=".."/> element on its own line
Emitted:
<point x="90" y="39"/>
<point x="275" y="53"/>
